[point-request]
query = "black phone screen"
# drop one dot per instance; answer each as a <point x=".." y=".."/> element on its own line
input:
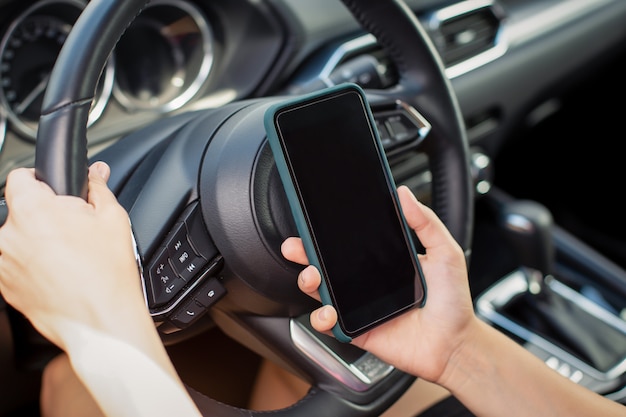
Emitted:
<point x="349" y="204"/>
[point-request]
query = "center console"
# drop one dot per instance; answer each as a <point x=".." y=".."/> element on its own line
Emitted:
<point x="578" y="335"/>
<point x="564" y="303"/>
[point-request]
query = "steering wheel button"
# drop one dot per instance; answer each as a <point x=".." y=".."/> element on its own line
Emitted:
<point x="210" y="292"/>
<point x="189" y="269"/>
<point x="164" y="282"/>
<point x="182" y="256"/>
<point x="401" y="128"/>
<point x="160" y="265"/>
<point x="187" y="314"/>
<point x="165" y="286"/>
<point x="178" y="240"/>
<point x="199" y="237"/>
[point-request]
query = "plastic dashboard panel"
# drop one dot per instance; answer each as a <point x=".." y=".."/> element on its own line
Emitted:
<point x="547" y="45"/>
<point x="550" y="45"/>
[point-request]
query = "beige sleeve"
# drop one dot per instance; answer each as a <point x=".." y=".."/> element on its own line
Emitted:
<point x="123" y="380"/>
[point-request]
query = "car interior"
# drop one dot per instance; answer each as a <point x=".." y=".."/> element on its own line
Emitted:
<point x="522" y="162"/>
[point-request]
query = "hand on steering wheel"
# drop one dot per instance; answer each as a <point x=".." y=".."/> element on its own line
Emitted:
<point x="65" y="263"/>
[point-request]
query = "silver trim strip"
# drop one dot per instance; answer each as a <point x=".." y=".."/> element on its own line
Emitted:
<point x="424" y="125"/>
<point x="3" y="128"/>
<point x="461" y="8"/>
<point x="519" y="32"/>
<point x="350" y="47"/>
<point x="440" y="17"/>
<point x="517" y="283"/>
<point x="348" y="374"/>
<point x="368" y="41"/>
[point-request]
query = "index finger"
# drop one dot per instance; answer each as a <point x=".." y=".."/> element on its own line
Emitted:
<point x="22" y="181"/>
<point x="293" y="250"/>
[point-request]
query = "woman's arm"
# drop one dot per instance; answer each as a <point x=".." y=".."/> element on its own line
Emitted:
<point x="444" y="342"/>
<point x="68" y="265"/>
<point x="494" y="376"/>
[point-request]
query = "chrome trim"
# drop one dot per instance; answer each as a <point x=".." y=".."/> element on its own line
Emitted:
<point x="461" y="8"/>
<point x="362" y="43"/>
<point x="477" y="61"/>
<point x="347" y="48"/>
<point x="519" y="32"/>
<point x="424" y="125"/>
<point x="440" y="16"/>
<point x="3" y="128"/>
<point x="589" y="306"/>
<point x="140" y="269"/>
<point x="349" y="374"/>
<point x="516" y="283"/>
<point x="203" y="72"/>
<point x="619" y="395"/>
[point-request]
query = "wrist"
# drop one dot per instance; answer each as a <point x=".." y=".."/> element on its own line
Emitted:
<point x="469" y="359"/>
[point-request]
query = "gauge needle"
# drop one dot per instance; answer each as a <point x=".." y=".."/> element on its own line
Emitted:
<point x="28" y="100"/>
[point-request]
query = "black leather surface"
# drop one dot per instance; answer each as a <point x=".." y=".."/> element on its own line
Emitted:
<point x="61" y="151"/>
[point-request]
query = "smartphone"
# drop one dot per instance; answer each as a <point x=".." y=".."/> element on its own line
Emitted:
<point x="344" y="202"/>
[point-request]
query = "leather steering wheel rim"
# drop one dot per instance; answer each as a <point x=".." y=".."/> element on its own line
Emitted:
<point x="61" y="150"/>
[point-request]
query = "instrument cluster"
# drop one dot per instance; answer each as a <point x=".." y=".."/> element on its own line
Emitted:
<point x="160" y="64"/>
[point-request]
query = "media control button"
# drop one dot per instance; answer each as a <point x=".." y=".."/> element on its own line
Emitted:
<point x="198" y="235"/>
<point x="401" y="125"/>
<point x="191" y="267"/>
<point x="164" y="282"/>
<point x="179" y="249"/>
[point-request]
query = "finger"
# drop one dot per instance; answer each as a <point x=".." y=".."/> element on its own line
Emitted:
<point x="102" y="169"/>
<point x="429" y="228"/>
<point x="309" y="281"/>
<point x="99" y="192"/>
<point x="324" y="318"/>
<point x="22" y="182"/>
<point x="293" y="250"/>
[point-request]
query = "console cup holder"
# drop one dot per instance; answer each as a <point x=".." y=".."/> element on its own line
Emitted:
<point x="574" y="333"/>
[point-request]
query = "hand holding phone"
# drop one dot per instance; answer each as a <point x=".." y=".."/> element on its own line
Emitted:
<point x="343" y="199"/>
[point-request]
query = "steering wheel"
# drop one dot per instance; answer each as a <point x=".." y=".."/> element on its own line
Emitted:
<point x="209" y="212"/>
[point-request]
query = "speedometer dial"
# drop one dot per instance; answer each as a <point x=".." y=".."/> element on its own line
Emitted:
<point x="28" y="52"/>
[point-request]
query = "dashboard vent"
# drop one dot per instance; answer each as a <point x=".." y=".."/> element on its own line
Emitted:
<point x="466" y="34"/>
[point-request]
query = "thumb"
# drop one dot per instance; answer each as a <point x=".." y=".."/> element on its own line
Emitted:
<point x="100" y="169"/>
<point x="99" y="173"/>
<point x="429" y="228"/>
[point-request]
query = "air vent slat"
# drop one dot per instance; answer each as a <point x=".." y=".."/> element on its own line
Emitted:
<point x="464" y="36"/>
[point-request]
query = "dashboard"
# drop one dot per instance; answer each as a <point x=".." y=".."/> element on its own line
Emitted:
<point x="176" y="55"/>
<point x="504" y="58"/>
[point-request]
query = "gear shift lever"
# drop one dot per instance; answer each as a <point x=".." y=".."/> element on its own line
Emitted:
<point x="528" y="229"/>
<point x="555" y="321"/>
